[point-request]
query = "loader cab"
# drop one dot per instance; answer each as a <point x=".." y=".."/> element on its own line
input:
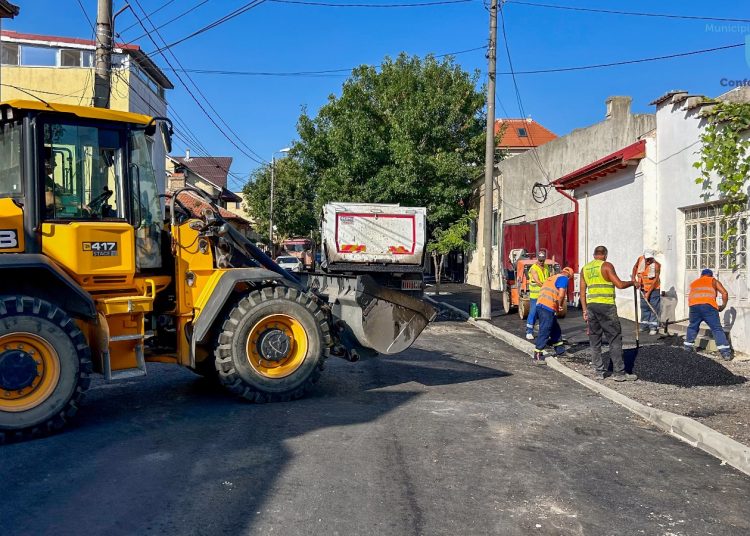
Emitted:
<point x="82" y="188"/>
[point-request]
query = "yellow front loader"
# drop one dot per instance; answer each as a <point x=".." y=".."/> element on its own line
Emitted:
<point x="94" y="280"/>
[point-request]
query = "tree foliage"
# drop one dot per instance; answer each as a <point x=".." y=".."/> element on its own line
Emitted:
<point x="724" y="163"/>
<point x="410" y="132"/>
<point x="452" y="239"/>
<point x="294" y="199"/>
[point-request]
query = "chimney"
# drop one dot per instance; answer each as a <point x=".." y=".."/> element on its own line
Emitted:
<point x="618" y="107"/>
<point x="187" y="154"/>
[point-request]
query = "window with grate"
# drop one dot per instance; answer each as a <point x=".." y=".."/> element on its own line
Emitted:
<point x="706" y="240"/>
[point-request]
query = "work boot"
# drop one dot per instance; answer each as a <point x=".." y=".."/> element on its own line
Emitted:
<point x="559" y="350"/>
<point x="644" y="329"/>
<point x="726" y="356"/>
<point x="652" y="331"/>
<point x="600" y="375"/>
<point x="625" y="377"/>
<point x="529" y="336"/>
<point x="539" y="358"/>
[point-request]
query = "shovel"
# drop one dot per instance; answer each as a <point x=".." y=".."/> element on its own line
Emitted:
<point x="637" y="330"/>
<point x="665" y="323"/>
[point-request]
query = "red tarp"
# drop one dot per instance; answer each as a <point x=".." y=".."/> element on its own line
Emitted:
<point x="556" y="234"/>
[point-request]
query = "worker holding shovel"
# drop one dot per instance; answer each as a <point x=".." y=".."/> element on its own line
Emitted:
<point x="646" y="272"/>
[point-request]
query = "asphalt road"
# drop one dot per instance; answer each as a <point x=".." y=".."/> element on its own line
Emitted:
<point x="459" y="435"/>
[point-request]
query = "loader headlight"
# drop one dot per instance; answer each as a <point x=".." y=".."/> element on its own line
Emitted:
<point x="190" y="279"/>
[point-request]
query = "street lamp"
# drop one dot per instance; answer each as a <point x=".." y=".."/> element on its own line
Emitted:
<point x="273" y="173"/>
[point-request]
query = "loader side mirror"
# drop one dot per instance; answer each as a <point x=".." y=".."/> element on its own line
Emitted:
<point x="166" y="135"/>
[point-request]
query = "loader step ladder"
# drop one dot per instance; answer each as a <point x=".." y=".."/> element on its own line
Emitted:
<point x="124" y="358"/>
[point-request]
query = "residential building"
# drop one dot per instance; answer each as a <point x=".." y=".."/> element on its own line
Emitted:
<point x="535" y="215"/>
<point x="520" y="135"/>
<point x="666" y="211"/>
<point x="209" y="174"/>
<point x="61" y="69"/>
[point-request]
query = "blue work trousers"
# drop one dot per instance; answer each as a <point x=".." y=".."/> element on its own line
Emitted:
<point x="708" y="314"/>
<point x="549" y="330"/>
<point x="648" y="318"/>
<point x="531" y="319"/>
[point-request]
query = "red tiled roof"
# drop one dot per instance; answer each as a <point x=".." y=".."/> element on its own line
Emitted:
<point x="196" y="205"/>
<point x="536" y="134"/>
<point x="213" y="168"/>
<point x="602" y="167"/>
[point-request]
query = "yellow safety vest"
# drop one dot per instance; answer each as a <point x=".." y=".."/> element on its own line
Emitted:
<point x="543" y="272"/>
<point x="598" y="289"/>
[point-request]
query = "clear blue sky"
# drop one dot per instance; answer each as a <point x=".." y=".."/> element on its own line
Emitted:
<point x="289" y="37"/>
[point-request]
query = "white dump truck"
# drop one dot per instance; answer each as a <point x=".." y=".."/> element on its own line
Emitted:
<point x="384" y="241"/>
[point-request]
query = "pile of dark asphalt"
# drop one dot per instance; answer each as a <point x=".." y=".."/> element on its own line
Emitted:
<point x="671" y="365"/>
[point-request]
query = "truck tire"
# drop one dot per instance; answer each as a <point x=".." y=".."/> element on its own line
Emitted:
<point x="273" y="345"/>
<point x="45" y="367"/>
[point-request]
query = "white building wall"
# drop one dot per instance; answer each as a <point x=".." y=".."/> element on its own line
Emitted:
<point x="611" y="215"/>
<point x="679" y="126"/>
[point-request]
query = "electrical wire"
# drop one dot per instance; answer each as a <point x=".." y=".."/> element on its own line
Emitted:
<point x="388" y="6"/>
<point x="154" y="12"/>
<point x="252" y="155"/>
<point x="170" y="21"/>
<point x="342" y="70"/>
<point x="630" y="13"/>
<point x="534" y="152"/>
<point x="229" y="16"/>
<point x="625" y="62"/>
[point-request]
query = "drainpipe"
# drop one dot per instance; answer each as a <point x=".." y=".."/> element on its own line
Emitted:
<point x="586" y="228"/>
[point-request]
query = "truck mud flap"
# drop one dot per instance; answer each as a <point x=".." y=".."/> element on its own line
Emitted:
<point x="378" y="318"/>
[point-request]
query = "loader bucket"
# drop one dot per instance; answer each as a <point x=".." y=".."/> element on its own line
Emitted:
<point x="379" y="318"/>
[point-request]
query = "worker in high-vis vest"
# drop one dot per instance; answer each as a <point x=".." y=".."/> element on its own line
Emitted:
<point x="704" y="308"/>
<point x="598" y="282"/>
<point x="538" y="274"/>
<point x="646" y="273"/>
<point x="551" y="298"/>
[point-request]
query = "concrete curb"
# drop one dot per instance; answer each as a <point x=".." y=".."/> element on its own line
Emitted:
<point x="686" y="429"/>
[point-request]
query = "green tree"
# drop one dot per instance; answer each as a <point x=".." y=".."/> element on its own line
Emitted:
<point x="294" y="211"/>
<point x="409" y="132"/>
<point x="724" y="163"/>
<point x="449" y="240"/>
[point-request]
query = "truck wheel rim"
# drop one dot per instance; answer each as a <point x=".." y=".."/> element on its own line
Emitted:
<point x="29" y="371"/>
<point x="277" y="346"/>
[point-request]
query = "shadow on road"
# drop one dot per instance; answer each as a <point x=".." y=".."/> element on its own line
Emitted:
<point x="175" y="454"/>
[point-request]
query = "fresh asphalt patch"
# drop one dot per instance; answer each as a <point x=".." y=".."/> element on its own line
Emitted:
<point x="670" y="365"/>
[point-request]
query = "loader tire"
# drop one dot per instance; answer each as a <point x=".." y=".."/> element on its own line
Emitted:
<point x="273" y="345"/>
<point x="45" y="367"/>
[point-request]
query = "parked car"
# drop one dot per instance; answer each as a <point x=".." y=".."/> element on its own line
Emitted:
<point x="293" y="264"/>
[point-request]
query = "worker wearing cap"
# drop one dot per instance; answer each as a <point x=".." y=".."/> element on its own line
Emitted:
<point x="646" y="272"/>
<point x="552" y="295"/>
<point x="538" y="274"/>
<point x="704" y="308"/>
<point x="598" y="282"/>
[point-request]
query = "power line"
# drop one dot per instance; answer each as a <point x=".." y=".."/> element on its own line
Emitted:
<point x="154" y="12"/>
<point x="170" y="21"/>
<point x="252" y="154"/>
<point x="534" y="152"/>
<point x="85" y="14"/>
<point x="229" y="16"/>
<point x="331" y="4"/>
<point x="630" y="13"/>
<point x="626" y="62"/>
<point x="325" y="72"/>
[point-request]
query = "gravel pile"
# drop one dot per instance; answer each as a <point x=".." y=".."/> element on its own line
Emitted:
<point x="671" y="365"/>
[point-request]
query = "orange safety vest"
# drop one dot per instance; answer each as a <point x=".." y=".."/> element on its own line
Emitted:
<point x="647" y="273"/>
<point x="548" y="293"/>
<point x="702" y="291"/>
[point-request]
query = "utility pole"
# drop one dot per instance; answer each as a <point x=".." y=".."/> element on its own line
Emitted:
<point x="270" y="216"/>
<point x="103" y="65"/>
<point x="489" y="168"/>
